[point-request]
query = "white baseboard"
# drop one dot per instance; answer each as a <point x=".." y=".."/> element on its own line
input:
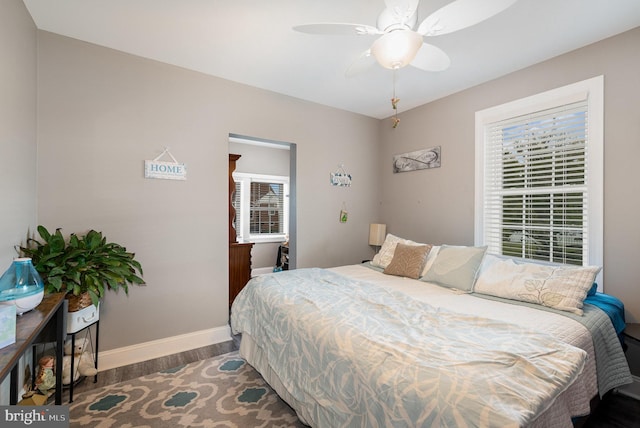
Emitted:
<point x="159" y="348"/>
<point x="631" y="390"/>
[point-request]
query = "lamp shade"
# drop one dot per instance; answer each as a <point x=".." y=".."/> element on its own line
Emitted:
<point x="377" y="233"/>
<point x="396" y="48"/>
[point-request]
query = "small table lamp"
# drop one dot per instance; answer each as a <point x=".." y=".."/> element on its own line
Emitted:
<point x="377" y="233"/>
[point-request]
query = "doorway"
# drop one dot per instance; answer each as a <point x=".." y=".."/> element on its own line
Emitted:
<point x="268" y="158"/>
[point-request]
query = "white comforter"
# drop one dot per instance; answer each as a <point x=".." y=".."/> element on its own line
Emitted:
<point x="357" y="354"/>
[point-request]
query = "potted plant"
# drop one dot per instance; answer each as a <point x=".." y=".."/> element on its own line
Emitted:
<point x="82" y="266"/>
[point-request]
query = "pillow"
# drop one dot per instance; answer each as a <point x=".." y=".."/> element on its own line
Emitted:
<point x="455" y="267"/>
<point x="489" y="260"/>
<point x="384" y="256"/>
<point x="559" y="287"/>
<point x="431" y="257"/>
<point x="408" y="260"/>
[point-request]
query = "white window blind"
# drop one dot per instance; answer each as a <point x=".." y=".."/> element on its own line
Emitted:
<point x="236" y="202"/>
<point x="267" y="208"/>
<point x="536" y="196"/>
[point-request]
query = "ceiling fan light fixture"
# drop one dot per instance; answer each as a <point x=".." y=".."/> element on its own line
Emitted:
<point x="397" y="48"/>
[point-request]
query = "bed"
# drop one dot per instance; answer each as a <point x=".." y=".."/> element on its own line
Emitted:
<point x="355" y="346"/>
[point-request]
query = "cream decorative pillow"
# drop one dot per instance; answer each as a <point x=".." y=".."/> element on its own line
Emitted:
<point x="455" y="267"/>
<point x="560" y="287"/>
<point x="384" y="256"/>
<point x="408" y="260"/>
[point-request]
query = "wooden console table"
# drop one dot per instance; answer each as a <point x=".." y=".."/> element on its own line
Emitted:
<point x="50" y="313"/>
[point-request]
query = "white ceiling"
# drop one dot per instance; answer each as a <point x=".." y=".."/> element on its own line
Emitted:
<point x="251" y="42"/>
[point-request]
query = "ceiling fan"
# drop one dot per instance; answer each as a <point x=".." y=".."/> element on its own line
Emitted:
<point x="401" y="38"/>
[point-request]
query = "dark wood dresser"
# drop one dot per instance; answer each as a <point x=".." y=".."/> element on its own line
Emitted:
<point x="239" y="268"/>
<point x="239" y="253"/>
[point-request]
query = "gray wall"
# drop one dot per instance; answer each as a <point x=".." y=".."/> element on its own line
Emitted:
<point x="437" y="205"/>
<point x="103" y="112"/>
<point x="18" y="59"/>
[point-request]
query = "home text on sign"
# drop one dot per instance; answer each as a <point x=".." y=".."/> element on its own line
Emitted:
<point x="165" y="170"/>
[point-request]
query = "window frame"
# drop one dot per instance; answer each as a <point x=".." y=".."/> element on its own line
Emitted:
<point x="244" y="233"/>
<point x="593" y="91"/>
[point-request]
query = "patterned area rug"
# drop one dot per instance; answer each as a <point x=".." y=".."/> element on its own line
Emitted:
<point x="223" y="391"/>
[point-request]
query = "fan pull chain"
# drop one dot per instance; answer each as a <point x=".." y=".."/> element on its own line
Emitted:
<point x="394" y="102"/>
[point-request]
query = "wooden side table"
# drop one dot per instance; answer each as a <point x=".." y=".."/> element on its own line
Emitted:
<point x="632" y="339"/>
<point x="632" y="352"/>
<point x="632" y="330"/>
<point x="50" y="313"/>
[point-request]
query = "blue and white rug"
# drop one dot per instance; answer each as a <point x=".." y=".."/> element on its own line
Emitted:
<point x="223" y="391"/>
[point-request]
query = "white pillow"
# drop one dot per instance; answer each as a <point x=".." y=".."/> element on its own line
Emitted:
<point x="385" y="255"/>
<point x="561" y="287"/>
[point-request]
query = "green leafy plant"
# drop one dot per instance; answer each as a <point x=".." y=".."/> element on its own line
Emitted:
<point x="86" y="263"/>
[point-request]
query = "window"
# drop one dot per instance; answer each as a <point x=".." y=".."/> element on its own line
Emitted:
<point x="262" y="207"/>
<point x="539" y="176"/>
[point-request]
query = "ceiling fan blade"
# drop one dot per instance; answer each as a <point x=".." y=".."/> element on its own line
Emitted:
<point x="402" y="10"/>
<point x="461" y="14"/>
<point x="363" y="63"/>
<point x="337" y="28"/>
<point x="431" y="58"/>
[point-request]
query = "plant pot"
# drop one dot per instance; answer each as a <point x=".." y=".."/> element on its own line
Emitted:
<point x="78" y="320"/>
<point x="77" y="303"/>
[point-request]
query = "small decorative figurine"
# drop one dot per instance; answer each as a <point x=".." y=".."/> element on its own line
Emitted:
<point x="45" y="380"/>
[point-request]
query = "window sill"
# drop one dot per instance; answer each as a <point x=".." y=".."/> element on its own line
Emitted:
<point x="278" y="239"/>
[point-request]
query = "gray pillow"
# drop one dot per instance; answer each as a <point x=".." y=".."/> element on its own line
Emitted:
<point x="456" y="267"/>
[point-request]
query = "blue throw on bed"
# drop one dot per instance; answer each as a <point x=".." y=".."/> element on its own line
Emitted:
<point x="612" y="306"/>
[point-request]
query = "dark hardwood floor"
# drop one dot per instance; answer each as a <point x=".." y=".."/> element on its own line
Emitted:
<point x="614" y="410"/>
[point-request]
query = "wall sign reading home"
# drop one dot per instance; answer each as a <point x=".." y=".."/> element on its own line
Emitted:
<point x="420" y="159"/>
<point x="165" y="170"/>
